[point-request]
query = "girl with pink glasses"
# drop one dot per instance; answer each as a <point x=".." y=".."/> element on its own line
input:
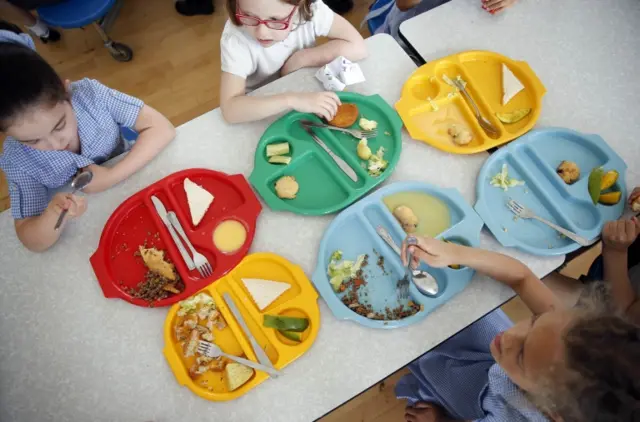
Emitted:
<point x="266" y="39"/>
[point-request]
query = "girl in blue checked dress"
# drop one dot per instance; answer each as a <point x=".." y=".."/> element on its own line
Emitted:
<point x="579" y="364"/>
<point x="56" y="129"/>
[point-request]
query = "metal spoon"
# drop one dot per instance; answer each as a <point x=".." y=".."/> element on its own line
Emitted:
<point x="79" y="182"/>
<point x="424" y="282"/>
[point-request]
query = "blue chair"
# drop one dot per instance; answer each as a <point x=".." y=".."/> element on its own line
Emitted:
<point x="72" y="14"/>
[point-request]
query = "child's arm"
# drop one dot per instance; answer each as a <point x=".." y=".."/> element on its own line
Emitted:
<point x="237" y="107"/>
<point x="37" y="233"/>
<point x="617" y="236"/>
<point x="154" y="134"/>
<point x="345" y="41"/>
<point x="538" y="297"/>
<point x="405" y="5"/>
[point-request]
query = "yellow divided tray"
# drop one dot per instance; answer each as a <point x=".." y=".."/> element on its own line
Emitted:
<point x="429" y="121"/>
<point x="300" y="301"/>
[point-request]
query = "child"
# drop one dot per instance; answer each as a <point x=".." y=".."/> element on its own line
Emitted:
<point x="56" y="129"/>
<point x="619" y="264"/>
<point x="264" y="39"/>
<point x="562" y="364"/>
<point x="385" y="16"/>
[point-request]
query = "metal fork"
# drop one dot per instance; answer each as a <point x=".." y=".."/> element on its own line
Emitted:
<point x="525" y="213"/>
<point x="402" y="288"/>
<point x="201" y="262"/>
<point x="212" y="350"/>
<point x="356" y="133"/>
<point x="486" y="125"/>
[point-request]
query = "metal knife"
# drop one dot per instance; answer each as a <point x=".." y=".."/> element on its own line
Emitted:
<point x="260" y="353"/>
<point x="162" y="212"/>
<point x="339" y="161"/>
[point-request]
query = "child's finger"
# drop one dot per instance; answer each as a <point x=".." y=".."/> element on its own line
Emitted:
<point x="335" y="97"/>
<point x="492" y="4"/>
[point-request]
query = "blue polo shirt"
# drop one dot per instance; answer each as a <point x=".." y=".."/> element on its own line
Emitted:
<point x="33" y="175"/>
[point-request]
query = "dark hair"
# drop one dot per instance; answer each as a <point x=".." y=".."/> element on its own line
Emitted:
<point x="599" y="379"/>
<point x="26" y="80"/>
<point x="304" y="9"/>
<point x="8" y="26"/>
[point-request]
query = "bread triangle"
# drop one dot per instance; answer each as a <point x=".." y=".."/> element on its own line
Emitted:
<point x="199" y="200"/>
<point x="264" y="292"/>
<point x="510" y="85"/>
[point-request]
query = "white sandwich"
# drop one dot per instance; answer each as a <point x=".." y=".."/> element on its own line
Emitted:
<point x="510" y="85"/>
<point x="199" y="200"/>
<point x="264" y="292"/>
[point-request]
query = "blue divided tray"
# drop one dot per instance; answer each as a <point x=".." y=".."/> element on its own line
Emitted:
<point x="534" y="158"/>
<point x="354" y="232"/>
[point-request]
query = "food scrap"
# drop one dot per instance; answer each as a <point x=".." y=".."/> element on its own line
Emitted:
<point x="363" y="150"/>
<point x="229" y="236"/>
<point x="511" y="85"/>
<point x="286" y="323"/>
<point x="460" y="136"/>
<point x="366" y="124"/>
<point x="341" y="272"/>
<point x="161" y="279"/>
<point x="264" y="292"/>
<point x="199" y="200"/>
<point x="433" y="104"/>
<point x="287" y="187"/>
<point x="635" y="205"/>
<point x="503" y="181"/>
<point x="514" y="116"/>
<point x="399" y="312"/>
<point x="237" y="375"/>
<point x="276" y="153"/>
<point x="407" y="218"/>
<point x="377" y="164"/>
<point x="197" y="317"/>
<point x="346" y="116"/>
<point x="569" y="172"/>
<point x="602" y="187"/>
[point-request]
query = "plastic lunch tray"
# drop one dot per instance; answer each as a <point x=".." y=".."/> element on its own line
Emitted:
<point x="301" y="300"/>
<point x="534" y="159"/>
<point x="354" y="232"/>
<point x="324" y="188"/>
<point x="482" y="70"/>
<point x="135" y="222"/>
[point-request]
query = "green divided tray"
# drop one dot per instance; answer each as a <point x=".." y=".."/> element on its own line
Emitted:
<point x="324" y="188"/>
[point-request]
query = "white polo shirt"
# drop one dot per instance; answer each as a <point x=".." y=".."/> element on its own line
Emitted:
<point x="242" y="55"/>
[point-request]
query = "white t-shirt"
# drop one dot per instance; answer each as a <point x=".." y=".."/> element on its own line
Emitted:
<point x="242" y="55"/>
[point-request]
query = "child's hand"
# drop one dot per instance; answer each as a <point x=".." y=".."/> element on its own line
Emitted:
<point x="76" y="205"/>
<point x="323" y="104"/>
<point x="495" y="6"/>
<point x="101" y="179"/>
<point x="635" y="196"/>
<point x="424" y="412"/>
<point x="435" y="253"/>
<point x="619" y="235"/>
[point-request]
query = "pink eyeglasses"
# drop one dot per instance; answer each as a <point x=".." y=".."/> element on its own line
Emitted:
<point x="271" y="24"/>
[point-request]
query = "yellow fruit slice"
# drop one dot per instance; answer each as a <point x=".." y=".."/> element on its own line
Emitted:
<point x="610" y="198"/>
<point x="513" y="117"/>
<point x="609" y="179"/>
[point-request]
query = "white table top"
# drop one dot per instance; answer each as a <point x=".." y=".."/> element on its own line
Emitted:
<point x="585" y="52"/>
<point x="69" y="354"/>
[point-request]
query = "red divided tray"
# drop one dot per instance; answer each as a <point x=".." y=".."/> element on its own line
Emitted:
<point x="136" y="221"/>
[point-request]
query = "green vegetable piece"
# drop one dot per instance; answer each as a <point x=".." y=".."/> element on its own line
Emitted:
<point x="277" y="149"/>
<point x="292" y="335"/>
<point x="595" y="184"/>
<point x="285" y="323"/>
<point x="279" y="159"/>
